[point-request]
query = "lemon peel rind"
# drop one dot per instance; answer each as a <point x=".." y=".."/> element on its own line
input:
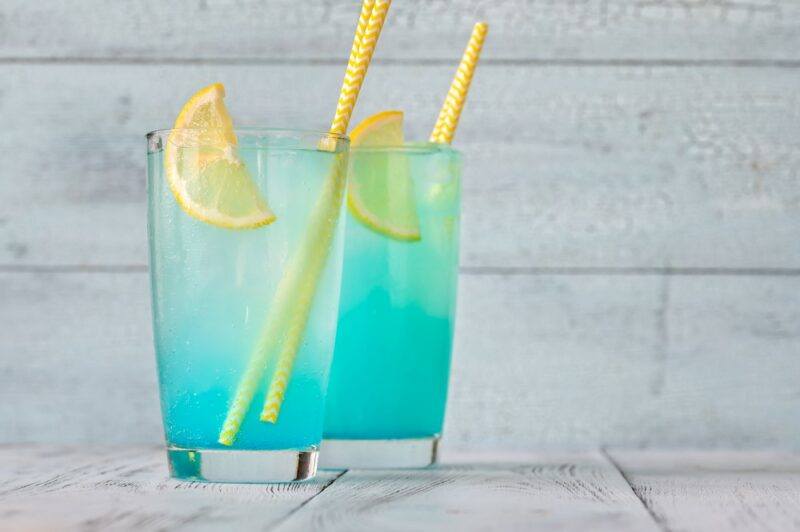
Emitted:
<point x="369" y="122"/>
<point x="372" y="222"/>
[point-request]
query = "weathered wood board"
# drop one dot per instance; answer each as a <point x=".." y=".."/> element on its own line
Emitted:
<point x="587" y="167"/>
<point x="124" y="488"/>
<point x="547" y="492"/>
<point x="88" y="488"/>
<point x="538" y="360"/>
<point x="702" y="490"/>
<point x="286" y="30"/>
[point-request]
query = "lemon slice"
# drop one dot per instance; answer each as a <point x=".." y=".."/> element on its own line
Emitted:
<point x="380" y="192"/>
<point x="203" y="170"/>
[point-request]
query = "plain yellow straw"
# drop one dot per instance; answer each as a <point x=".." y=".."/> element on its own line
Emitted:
<point x="447" y="122"/>
<point x="295" y="292"/>
<point x="353" y="79"/>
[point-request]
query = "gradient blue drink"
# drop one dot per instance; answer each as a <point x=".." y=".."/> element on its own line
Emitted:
<point x="392" y="359"/>
<point x="212" y="288"/>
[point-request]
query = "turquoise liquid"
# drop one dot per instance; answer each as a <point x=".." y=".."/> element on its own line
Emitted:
<point x="392" y="358"/>
<point x="212" y="289"/>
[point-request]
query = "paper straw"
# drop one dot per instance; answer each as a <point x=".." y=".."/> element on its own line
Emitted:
<point x="291" y="304"/>
<point x="447" y="122"/>
<point x="295" y="292"/>
<point x="357" y="66"/>
<point x="353" y="79"/>
<point x="363" y="19"/>
<point x="312" y="260"/>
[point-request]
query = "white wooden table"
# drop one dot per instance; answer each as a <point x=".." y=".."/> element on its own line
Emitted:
<point x="126" y="488"/>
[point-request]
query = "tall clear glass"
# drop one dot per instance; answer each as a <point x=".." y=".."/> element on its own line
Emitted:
<point x="386" y="401"/>
<point x="213" y="290"/>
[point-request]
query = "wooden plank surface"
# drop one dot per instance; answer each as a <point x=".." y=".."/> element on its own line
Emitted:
<point x="416" y="29"/>
<point x="540" y="361"/>
<point x="709" y="491"/>
<point x="548" y="492"/>
<point x="57" y="487"/>
<point x="566" y="167"/>
<point x="126" y="488"/>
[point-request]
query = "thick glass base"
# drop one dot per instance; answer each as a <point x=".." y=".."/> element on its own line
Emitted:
<point x="215" y="465"/>
<point x="378" y="454"/>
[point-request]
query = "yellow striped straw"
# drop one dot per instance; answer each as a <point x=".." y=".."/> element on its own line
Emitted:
<point x="353" y="79"/>
<point x="447" y="122"/>
<point x="283" y="330"/>
<point x="339" y="123"/>
<point x="358" y="64"/>
<point x="292" y="301"/>
<point x="312" y="261"/>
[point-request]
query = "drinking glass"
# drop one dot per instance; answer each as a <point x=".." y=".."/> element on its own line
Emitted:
<point x="386" y="400"/>
<point x="213" y="291"/>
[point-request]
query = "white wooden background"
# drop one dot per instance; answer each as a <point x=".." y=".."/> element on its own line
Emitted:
<point x="630" y="265"/>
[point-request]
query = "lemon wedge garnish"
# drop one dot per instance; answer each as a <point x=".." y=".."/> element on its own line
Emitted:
<point x="208" y="179"/>
<point x="380" y="192"/>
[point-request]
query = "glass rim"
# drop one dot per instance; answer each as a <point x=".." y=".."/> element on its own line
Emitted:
<point x="256" y="130"/>
<point x="409" y="147"/>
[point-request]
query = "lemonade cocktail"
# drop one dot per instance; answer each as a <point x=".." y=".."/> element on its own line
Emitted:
<point x="212" y="287"/>
<point x="389" y="379"/>
<point x="248" y="315"/>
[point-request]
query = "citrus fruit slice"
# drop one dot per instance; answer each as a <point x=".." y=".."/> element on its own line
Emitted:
<point x="380" y="192"/>
<point x="203" y="170"/>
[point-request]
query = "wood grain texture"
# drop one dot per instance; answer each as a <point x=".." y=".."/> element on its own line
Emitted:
<point x="550" y="492"/>
<point x="79" y="365"/>
<point x="58" y="487"/>
<point x="607" y="142"/>
<point x="417" y="29"/>
<point x="686" y="361"/>
<point x="565" y="166"/>
<point x="702" y="491"/>
<point x="565" y="361"/>
<point x="126" y="488"/>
